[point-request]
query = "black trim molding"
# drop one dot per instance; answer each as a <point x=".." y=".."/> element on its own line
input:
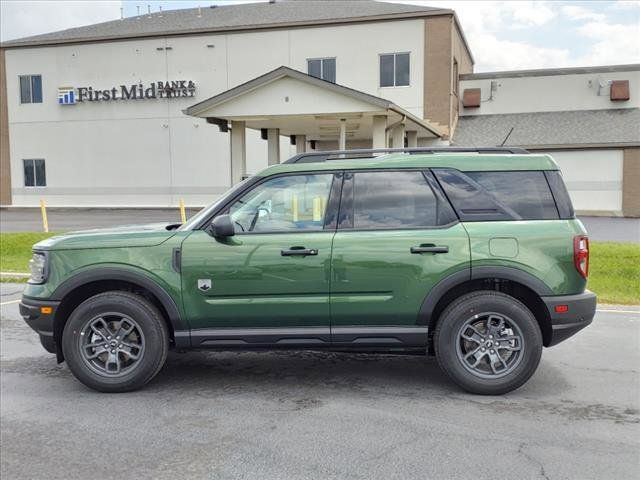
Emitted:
<point x="111" y="273"/>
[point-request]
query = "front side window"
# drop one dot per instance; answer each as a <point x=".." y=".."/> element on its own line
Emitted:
<point x="396" y="200"/>
<point x="290" y="203"/>
<point x="324" y="68"/>
<point x="34" y="173"/>
<point x="30" y="89"/>
<point x="394" y="70"/>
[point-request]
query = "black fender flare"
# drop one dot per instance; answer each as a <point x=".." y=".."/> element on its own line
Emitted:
<point x="114" y="273"/>
<point x="478" y="273"/>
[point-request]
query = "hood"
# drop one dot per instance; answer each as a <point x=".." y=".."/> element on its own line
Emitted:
<point x="125" y="236"/>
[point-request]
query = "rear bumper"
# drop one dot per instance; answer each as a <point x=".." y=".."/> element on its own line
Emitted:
<point x="580" y="310"/>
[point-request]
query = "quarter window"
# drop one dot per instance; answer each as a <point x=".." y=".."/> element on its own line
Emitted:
<point x="34" y="173"/>
<point x="30" y="89"/>
<point x="324" y="68"/>
<point x="513" y="195"/>
<point x="397" y="200"/>
<point x="394" y="70"/>
<point x="284" y="204"/>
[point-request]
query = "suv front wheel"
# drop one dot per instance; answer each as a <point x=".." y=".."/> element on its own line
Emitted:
<point x="115" y="342"/>
<point x="488" y="343"/>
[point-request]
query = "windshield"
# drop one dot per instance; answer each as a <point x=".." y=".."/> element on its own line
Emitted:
<point x="204" y="213"/>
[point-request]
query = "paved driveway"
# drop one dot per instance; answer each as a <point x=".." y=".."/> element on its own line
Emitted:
<point x="325" y="415"/>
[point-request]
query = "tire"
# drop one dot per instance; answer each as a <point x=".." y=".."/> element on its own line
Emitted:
<point x="131" y="342"/>
<point x="464" y="330"/>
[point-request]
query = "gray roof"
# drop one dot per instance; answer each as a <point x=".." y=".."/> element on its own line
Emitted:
<point x="551" y="129"/>
<point x="546" y="72"/>
<point x="232" y="17"/>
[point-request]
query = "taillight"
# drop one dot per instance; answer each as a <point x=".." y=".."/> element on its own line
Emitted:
<point x="581" y="254"/>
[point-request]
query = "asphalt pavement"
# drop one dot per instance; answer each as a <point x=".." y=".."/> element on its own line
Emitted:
<point x="314" y="415"/>
<point x="612" y="229"/>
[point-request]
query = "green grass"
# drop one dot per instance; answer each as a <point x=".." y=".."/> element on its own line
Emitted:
<point x="15" y="250"/>
<point x="614" y="267"/>
<point x="614" y="272"/>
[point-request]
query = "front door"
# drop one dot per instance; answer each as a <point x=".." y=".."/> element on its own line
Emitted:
<point x="269" y="283"/>
<point x="396" y="239"/>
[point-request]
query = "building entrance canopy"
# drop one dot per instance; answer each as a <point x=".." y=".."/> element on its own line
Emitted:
<point x="291" y="103"/>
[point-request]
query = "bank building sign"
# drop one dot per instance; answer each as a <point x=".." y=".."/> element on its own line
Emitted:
<point x="138" y="91"/>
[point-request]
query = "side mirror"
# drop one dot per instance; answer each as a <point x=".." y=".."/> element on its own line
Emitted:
<point x="222" y="227"/>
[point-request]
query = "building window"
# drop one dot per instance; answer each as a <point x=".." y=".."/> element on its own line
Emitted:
<point x="34" y="173"/>
<point x="30" y="88"/>
<point x="324" y="68"/>
<point x="394" y="70"/>
<point x="455" y="77"/>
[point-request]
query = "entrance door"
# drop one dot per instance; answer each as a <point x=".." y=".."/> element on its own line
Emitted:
<point x="396" y="239"/>
<point x="269" y="283"/>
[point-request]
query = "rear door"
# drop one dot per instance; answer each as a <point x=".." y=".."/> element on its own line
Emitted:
<point x="397" y="237"/>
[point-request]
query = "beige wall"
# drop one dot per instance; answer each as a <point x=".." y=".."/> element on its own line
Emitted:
<point x="631" y="183"/>
<point x="437" y="69"/>
<point x="5" y="163"/>
<point x="465" y="65"/>
<point x="443" y="45"/>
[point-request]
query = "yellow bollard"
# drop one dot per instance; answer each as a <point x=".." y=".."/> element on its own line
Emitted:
<point x="183" y="213"/>
<point x="294" y="208"/>
<point x="43" y="210"/>
<point x="317" y="209"/>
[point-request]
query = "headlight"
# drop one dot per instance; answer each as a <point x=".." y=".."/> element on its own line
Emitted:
<point x="38" y="265"/>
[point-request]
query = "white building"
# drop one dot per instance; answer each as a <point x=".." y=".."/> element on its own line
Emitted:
<point x="147" y="110"/>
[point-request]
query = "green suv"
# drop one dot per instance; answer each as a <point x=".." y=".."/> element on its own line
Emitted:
<point x="475" y="257"/>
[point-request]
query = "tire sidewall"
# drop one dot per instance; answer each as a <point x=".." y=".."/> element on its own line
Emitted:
<point x="466" y="307"/>
<point x="148" y="320"/>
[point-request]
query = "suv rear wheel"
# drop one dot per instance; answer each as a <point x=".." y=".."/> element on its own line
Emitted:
<point x="488" y="343"/>
<point x="115" y="342"/>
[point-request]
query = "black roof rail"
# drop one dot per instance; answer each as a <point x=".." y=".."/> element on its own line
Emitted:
<point x="313" y="157"/>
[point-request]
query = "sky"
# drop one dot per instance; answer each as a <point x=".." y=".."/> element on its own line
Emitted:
<point x="503" y="35"/>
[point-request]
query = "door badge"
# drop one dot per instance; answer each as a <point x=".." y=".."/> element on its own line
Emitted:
<point x="204" y="284"/>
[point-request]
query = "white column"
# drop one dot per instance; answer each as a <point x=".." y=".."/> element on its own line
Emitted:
<point x="238" y="152"/>
<point x="412" y="139"/>
<point x="273" y="146"/>
<point x="397" y="136"/>
<point x="342" y="144"/>
<point x="301" y="143"/>
<point x="379" y="138"/>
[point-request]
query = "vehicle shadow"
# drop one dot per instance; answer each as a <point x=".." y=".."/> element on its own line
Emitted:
<point x="336" y="372"/>
<point x="319" y="373"/>
<point x="292" y="369"/>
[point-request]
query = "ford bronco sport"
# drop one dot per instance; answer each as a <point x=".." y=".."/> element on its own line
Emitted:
<point x="475" y="257"/>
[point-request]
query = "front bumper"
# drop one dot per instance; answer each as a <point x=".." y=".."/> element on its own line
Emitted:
<point x="574" y="312"/>
<point x="32" y="311"/>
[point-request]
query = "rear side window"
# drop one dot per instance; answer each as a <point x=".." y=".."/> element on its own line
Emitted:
<point x="513" y="195"/>
<point x="397" y="199"/>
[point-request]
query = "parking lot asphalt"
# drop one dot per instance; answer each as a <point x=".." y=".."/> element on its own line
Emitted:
<point x="295" y="415"/>
<point x="612" y="229"/>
